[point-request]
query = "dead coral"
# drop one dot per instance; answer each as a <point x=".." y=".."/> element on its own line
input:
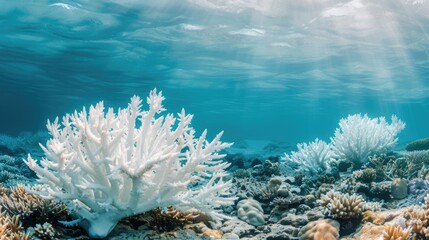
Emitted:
<point x="325" y="229"/>
<point x="392" y="167"/>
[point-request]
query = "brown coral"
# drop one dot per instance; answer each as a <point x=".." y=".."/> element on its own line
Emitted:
<point x="325" y="229"/>
<point x="392" y="232"/>
<point x="163" y="221"/>
<point x="417" y="219"/>
<point x="11" y="228"/>
<point x="32" y="208"/>
<point x="342" y="206"/>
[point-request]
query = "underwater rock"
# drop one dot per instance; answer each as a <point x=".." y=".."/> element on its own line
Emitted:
<point x="283" y="191"/>
<point x="277" y="213"/>
<point x="326" y="229"/>
<point x="399" y="188"/>
<point x="276" y="232"/>
<point x="246" y="187"/>
<point x="230" y="236"/>
<point x="294" y="220"/>
<point x="315" y="214"/>
<point x="418" y="145"/>
<point x="240" y="228"/>
<point x="250" y="211"/>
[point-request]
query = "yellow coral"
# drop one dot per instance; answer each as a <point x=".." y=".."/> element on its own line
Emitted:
<point x="325" y="229"/>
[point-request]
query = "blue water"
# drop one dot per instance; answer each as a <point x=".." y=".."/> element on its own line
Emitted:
<point x="275" y="69"/>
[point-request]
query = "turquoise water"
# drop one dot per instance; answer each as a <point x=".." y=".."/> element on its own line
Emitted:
<point x="273" y="70"/>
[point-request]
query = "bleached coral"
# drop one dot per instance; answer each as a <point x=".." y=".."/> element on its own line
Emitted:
<point x="107" y="166"/>
<point x="315" y="157"/>
<point x="359" y="137"/>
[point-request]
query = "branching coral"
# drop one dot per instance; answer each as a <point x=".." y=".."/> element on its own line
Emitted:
<point x="392" y="167"/>
<point x="315" y="157"/>
<point x="45" y="231"/>
<point x="342" y="206"/>
<point x="392" y="232"/>
<point x="11" y="228"/>
<point x="359" y="137"/>
<point x="32" y="208"/>
<point x="106" y="166"/>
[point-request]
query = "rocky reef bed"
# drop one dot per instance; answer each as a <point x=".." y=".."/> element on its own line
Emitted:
<point x="385" y="198"/>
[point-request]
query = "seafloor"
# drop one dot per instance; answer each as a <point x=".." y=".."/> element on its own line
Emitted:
<point x="385" y="199"/>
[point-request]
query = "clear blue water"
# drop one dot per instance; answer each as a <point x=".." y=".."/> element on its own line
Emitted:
<point x="275" y="69"/>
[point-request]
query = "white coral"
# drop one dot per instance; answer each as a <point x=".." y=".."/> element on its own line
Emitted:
<point x="107" y="166"/>
<point x="315" y="157"/>
<point x="359" y="137"/>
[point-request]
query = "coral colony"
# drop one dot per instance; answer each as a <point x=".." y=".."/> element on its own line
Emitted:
<point x="108" y="166"/>
<point x="152" y="173"/>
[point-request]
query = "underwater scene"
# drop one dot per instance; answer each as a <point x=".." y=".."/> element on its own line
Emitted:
<point x="214" y="119"/>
